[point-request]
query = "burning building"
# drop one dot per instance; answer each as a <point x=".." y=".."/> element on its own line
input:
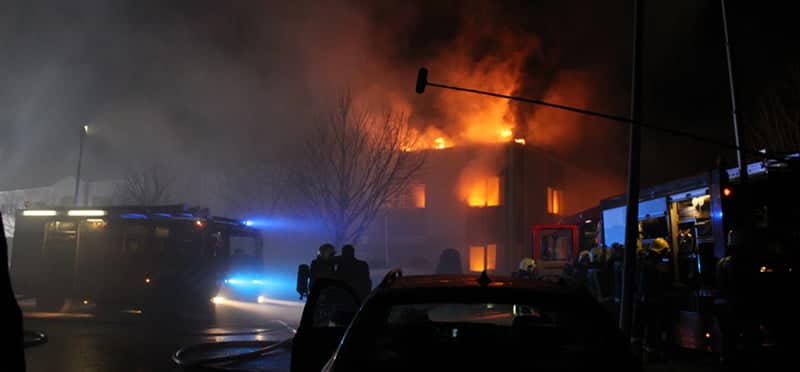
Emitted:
<point x="480" y="199"/>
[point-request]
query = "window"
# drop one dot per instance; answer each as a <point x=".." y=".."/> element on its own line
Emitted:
<point x="555" y="245"/>
<point x="482" y="257"/>
<point x="484" y="192"/>
<point x="243" y="246"/>
<point x="555" y="201"/>
<point x="412" y="197"/>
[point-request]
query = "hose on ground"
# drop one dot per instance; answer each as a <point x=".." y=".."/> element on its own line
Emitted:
<point x="210" y="351"/>
<point x="33" y="338"/>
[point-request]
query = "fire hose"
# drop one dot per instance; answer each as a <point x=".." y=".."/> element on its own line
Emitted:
<point x="215" y="355"/>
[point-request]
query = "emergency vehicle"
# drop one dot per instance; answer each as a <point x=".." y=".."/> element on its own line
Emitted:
<point x="696" y="216"/>
<point x="130" y="257"/>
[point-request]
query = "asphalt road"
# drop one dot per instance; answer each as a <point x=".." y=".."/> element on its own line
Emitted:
<point x="85" y="341"/>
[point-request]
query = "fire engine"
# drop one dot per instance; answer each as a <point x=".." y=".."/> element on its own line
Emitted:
<point x="157" y="257"/>
<point x="698" y="216"/>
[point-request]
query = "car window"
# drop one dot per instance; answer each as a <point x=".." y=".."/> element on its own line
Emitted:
<point x="243" y="246"/>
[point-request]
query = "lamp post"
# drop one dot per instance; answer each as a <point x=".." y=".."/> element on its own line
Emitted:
<point x="84" y="132"/>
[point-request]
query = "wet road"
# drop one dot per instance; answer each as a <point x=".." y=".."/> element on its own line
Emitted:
<point x="85" y="341"/>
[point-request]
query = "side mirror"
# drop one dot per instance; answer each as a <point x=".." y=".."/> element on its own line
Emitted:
<point x="303" y="274"/>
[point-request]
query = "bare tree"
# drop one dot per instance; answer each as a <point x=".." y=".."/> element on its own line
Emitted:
<point x="777" y="126"/>
<point x="357" y="161"/>
<point x="145" y="186"/>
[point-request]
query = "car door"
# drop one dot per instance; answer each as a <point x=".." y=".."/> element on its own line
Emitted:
<point x="330" y="307"/>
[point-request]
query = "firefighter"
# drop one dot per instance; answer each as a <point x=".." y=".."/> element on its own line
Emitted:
<point x="737" y="309"/>
<point x="527" y="268"/>
<point x="595" y="271"/>
<point x="324" y="265"/>
<point x="617" y="265"/>
<point x="653" y="287"/>
<point x="449" y="262"/>
<point x="354" y="272"/>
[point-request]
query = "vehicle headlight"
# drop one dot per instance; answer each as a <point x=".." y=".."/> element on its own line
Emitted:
<point x="218" y="300"/>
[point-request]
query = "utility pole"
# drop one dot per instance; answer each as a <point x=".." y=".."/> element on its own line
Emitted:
<point x="737" y="132"/>
<point x="634" y="162"/>
<point x="386" y="237"/>
<point x="84" y="130"/>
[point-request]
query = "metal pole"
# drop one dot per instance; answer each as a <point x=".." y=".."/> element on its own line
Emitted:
<point x="78" y="172"/>
<point x="386" y="238"/>
<point x="737" y="133"/>
<point x="634" y="160"/>
<point x="510" y="206"/>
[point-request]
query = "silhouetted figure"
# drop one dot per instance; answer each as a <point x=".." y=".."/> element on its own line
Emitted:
<point x="324" y="265"/>
<point x="449" y="262"/>
<point x="354" y="272"/>
<point x="527" y="269"/>
<point x="653" y="286"/>
<point x="738" y="323"/>
<point x="14" y="354"/>
<point x="617" y="267"/>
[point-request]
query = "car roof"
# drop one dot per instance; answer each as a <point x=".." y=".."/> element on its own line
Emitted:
<point x="468" y="281"/>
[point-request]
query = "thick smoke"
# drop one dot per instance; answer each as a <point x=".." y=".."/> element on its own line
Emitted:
<point x="208" y="86"/>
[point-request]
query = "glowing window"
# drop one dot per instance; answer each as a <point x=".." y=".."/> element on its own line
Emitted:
<point x="412" y="196"/>
<point x="482" y="257"/>
<point x="484" y="192"/>
<point x="418" y="191"/>
<point x="554" y="201"/>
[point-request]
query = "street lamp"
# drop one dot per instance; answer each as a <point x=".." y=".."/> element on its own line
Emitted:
<point x="84" y="132"/>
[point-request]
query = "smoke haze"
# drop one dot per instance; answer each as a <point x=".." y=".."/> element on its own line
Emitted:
<point x="202" y="84"/>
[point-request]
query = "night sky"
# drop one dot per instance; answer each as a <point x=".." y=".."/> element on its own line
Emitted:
<point x="213" y="82"/>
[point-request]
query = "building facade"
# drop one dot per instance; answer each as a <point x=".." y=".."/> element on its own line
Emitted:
<point x="480" y="200"/>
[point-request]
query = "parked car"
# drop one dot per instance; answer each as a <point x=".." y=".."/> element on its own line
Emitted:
<point x="458" y="322"/>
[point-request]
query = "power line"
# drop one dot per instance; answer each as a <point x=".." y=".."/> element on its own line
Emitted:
<point x="621" y="119"/>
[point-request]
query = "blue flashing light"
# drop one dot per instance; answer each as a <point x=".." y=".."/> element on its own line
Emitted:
<point x="282" y="223"/>
<point x="254" y="284"/>
<point x="163" y="214"/>
<point x="133" y="216"/>
<point x="240" y="281"/>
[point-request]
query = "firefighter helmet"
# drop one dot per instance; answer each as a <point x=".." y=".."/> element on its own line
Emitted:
<point x="326" y="251"/>
<point x="527" y="264"/>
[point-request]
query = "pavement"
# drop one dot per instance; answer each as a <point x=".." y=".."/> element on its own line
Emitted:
<point x="130" y="341"/>
<point x="82" y="341"/>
